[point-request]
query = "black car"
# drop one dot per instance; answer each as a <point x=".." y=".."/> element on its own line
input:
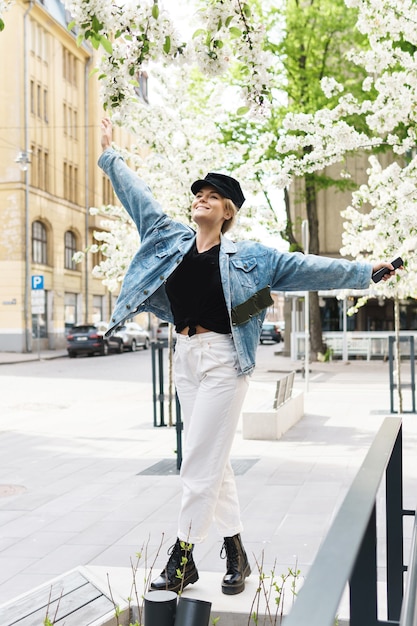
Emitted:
<point x="88" y="339"/>
<point x="270" y="332"/>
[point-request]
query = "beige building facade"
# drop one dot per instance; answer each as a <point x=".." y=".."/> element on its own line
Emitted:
<point x="50" y="142"/>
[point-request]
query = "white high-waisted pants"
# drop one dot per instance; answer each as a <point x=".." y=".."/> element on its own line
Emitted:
<point x="211" y="397"/>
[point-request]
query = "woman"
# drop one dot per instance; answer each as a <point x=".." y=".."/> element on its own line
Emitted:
<point x="216" y="292"/>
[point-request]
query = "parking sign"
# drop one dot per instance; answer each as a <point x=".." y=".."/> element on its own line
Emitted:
<point x="37" y="282"/>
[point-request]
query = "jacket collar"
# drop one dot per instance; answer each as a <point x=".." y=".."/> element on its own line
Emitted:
<point x="227" y="245"/>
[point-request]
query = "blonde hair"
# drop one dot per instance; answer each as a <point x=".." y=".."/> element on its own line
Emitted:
<point x="232" y="208"/>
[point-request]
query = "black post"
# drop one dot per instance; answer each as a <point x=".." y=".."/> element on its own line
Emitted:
<point x="153" y="351"/>
<point x="158" y="381"/>
<point x="191" y="612"/>
<point x="161" y="384"/>
<point x="392" y="383"/>
<point x="160" y="608"/>
<point x="363" y="587"/>
<point x="413" y="378"/>
<point x="394" y="534"/>
<point x="178" y="428"/>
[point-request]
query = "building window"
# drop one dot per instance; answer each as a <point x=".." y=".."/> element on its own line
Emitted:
<point x="40" y="169"/>
<point x="33" y="167"/>
<point x="32" y="97"/>
<point x="70" y="250"/>
<point x="70" y="310"/>
<point x="107" y="191"/>
<point x="39" y="100"/>
<point x="45" y="105"/>
<point x="69" y="67"/>
<point x="98" y="309"/>
<point x="65" y="181"/>
<point x="39" y="243"/>
<point x="70" y="182"/>
<point x="75" y="186"/>
<point x="46" y="171"/>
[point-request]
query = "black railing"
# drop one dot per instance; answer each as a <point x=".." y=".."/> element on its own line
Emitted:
<point x="348" y="553"/>
<point x="159" y="397"/>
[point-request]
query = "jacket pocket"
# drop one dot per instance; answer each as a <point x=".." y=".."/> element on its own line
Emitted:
<point x="246" y="271"/>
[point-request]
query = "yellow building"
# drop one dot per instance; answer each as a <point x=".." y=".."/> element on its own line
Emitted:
<point x="49" y="145"/>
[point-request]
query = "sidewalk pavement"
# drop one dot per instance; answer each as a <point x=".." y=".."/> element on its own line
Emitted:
<point x="88" y="491"/>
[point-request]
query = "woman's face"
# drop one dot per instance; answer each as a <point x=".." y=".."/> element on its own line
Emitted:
<point x="208" y="207"/>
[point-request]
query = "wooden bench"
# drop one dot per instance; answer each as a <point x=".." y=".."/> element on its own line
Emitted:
<point x="70" y="600"/>
<point x="270" y="420"/>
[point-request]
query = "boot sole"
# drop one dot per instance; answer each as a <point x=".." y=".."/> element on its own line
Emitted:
<point x="189" y="580"/>
<point x="232" y="590"/>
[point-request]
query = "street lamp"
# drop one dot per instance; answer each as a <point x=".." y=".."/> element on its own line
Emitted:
<point x="24" y="161"/>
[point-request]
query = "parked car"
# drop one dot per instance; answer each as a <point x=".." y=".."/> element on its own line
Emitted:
<point x="270" y="332"/>
<point x="89" y="339"/>
<point x="133" y="336"/>
<point x="162" y="333"/>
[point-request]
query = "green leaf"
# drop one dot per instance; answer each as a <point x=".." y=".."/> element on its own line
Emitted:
<point x="1" y="25"/>
<point x="246" y="10"/>
<point x="199" y="32"/>
<point x="242" y="111"/>
<point x="229" y="20"/>
<point x="167" y="44"/>
<point x="97" y="26"/>
<point x="155" y="11"/>
<point x="80" y="39"/>
<point x="235" y="31"/>
<point x="71" y="25"/>
<point x="106" y="44"/>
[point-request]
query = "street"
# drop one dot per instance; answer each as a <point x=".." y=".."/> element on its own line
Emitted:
<point x="81" y="482"/>
<point x="76" y="435"/>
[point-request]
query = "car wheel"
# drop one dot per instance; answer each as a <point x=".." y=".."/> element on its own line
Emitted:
<point x="146" y="344"/>
<point x="72" y="355"/>
<point x="105" y="349"/>
<point x="133" y="345"/>
<point x="121" y="348"/>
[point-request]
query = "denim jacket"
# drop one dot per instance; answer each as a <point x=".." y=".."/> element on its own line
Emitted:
<point x="249" y="270"/>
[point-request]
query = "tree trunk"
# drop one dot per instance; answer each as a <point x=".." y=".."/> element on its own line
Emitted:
<point x="316" y="335"/>
<point x="397" y="354"/>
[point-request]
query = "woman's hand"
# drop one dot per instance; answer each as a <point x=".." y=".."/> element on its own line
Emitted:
<point x="391" y="272"/>
<point x="106" y="133"/>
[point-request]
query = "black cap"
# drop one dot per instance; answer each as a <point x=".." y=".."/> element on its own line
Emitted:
<point x="227" y="186"/>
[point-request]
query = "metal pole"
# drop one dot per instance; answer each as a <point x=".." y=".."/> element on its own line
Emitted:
<point x="394" y="533"/>
<point x="39" y="336"/>
<point x="363" y="583"/>
<point x="86" y="188"/>
<point x="178" y="428"/>
<point x="28" y="342"/>
<point x="306" y="243"/>
<point x="345" y="350"/>
<point x="153" y="351"/>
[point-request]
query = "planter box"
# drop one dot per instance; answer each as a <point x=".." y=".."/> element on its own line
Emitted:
<point x="271" y="424"/>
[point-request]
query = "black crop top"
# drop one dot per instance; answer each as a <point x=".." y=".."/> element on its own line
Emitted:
<point x="195" y="292"/>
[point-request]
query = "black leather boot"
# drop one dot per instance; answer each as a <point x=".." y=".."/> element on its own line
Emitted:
<point x="237" y="564"/>
<point x="180" y="570"/>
